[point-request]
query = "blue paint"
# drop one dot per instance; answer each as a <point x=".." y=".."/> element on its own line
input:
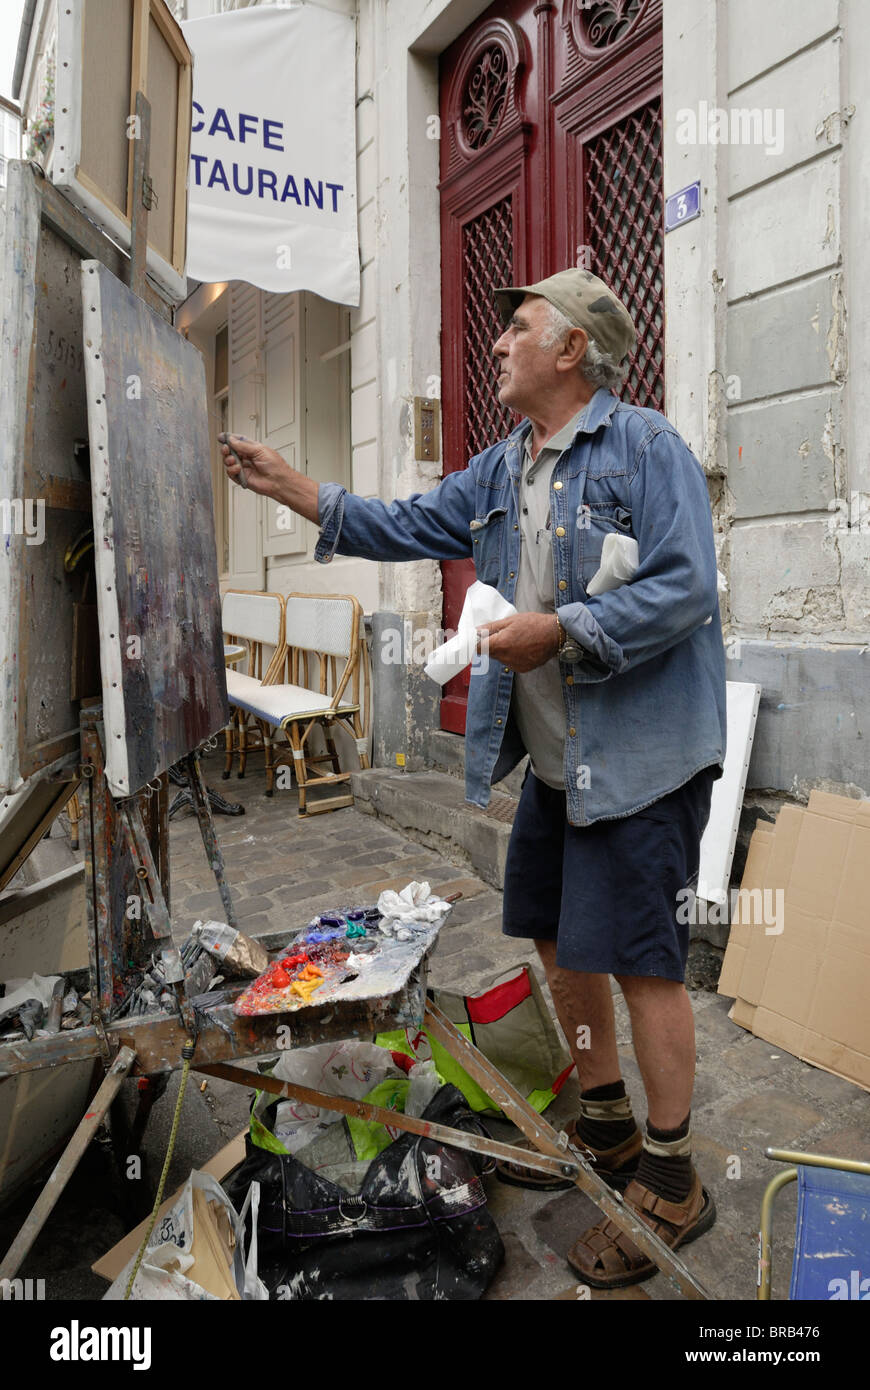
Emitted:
<point x="830" y="1259"/>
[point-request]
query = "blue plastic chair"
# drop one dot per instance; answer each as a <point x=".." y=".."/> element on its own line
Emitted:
<point x="832" y="1230"/>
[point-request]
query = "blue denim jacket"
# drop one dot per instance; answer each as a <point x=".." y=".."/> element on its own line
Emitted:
<point x="644" y="678"/>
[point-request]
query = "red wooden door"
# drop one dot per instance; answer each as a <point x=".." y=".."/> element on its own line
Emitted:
<point x="550" y="156"/>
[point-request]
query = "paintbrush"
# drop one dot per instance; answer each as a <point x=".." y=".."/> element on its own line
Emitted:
<point x="224" y="438"/>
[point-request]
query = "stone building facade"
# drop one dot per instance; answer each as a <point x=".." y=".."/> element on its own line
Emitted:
<point x="762" y="326"/>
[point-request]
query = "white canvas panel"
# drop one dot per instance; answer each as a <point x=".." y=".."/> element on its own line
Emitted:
<point x="720" y="837"/>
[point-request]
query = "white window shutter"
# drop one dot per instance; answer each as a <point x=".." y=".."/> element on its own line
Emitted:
<point x="247" y="563"/>
<point x="284" y="532"/>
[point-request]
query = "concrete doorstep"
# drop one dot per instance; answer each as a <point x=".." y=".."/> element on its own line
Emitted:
<point x="430" y="807"/>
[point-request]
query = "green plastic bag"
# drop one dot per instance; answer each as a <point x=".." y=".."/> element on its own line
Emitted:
<point x="509" y="1022"/>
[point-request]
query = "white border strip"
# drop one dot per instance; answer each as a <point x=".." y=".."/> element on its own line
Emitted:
<point x="111" y="663"/>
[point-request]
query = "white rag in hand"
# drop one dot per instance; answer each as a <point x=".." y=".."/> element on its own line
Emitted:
<point x="483" y="604"/>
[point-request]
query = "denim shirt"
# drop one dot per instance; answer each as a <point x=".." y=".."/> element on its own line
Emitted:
<point x="643" y="676"/>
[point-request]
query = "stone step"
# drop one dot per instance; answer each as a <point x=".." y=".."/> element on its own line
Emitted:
<point x="430" y="807"/>
<point x="447" y="754"/>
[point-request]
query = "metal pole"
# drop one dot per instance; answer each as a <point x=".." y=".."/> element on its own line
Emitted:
<point x="765" y="1252"/>
<point x="844" y="1165"/>
<point x="564" y="1166"/>
<point x="209" y="836"/>
<point x="139" y="210"/>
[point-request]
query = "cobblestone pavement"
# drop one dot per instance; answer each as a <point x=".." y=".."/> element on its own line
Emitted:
<point x="284" y="870"/>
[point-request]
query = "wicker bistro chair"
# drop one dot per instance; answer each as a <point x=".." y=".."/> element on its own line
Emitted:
<point x="323" y="665"/>
<point x="256" y="620"/>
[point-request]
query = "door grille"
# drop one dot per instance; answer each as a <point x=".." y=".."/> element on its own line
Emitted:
<point x="625" y="235"/>
<point x="487" y="264"/>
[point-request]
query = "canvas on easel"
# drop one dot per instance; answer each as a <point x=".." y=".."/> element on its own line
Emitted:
<point x="163" y="675"/>
<point x="107" y="51"/>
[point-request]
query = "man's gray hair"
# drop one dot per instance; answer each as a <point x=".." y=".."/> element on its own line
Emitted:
<point x="597" y="367"/>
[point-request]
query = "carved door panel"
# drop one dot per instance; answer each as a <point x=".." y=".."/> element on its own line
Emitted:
<point x="550" y="156"/>
<point x="607" y="153"/>
<point x="486" y="167"/>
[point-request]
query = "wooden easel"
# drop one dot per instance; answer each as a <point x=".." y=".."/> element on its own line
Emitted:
<point x="126" y="841"/>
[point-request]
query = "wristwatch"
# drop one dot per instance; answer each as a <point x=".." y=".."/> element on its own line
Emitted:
<point x="568" y="648"/>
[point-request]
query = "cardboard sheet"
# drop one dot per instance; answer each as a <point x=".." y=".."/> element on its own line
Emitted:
<point x="738" y="941"/>
<point x="109" y="1266"/>
<point x="803" y="984"/>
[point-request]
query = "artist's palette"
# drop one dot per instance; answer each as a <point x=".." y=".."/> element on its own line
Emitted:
<point x="340" y="956"/>
<point x="318" y="960"/>
<point x="290" y="982"/>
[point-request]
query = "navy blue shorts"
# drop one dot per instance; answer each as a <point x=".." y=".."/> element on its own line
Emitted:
<point x="606" y="893"/>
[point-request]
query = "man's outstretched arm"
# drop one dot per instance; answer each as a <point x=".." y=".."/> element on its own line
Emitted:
<point x="432" y="525"/>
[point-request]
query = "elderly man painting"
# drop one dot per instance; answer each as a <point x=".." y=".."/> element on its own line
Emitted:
<point x="619" y="700"/>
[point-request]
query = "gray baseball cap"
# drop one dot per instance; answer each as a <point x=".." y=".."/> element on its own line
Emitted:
<point x="586" y="301"/>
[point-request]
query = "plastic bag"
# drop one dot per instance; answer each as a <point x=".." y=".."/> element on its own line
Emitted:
<point x="416" y="1226"/>
<point x="352" y="1069"/>
<point x="508" y="1020"/>
<point x="196" y="1251"/>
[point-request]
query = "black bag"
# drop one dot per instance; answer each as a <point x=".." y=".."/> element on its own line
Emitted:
<point x="417" y="1229"/>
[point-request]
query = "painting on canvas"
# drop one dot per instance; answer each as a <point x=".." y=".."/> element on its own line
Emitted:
<point x="161" y="644"/>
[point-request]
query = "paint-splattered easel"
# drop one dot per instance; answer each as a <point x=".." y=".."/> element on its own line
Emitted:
<point x="126" y="844"/>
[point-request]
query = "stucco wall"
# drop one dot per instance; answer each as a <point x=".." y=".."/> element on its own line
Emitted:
<point x="766" y="337"/>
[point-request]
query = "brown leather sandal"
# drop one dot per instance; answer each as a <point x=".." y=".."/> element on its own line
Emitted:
<point x="606" y="1258"/>
<point x="617" y="1166"/>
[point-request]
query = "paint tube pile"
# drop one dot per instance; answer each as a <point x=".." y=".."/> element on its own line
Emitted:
<point x="210" y="948"/>
<point x="40" y="1007"/>
<point x="152" y="993"/>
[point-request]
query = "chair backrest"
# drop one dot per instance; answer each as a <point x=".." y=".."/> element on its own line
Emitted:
<point x="324" y="629"/>
<point x="256" y="617"/>
<point x="324" y="623"/>
<point x="831" y="1236"/>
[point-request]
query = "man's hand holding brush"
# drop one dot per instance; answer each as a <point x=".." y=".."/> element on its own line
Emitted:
<point x="264" y="471"/>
